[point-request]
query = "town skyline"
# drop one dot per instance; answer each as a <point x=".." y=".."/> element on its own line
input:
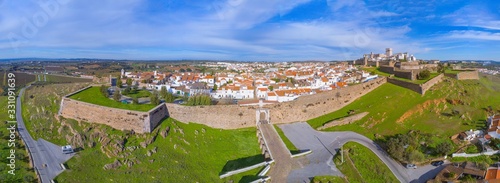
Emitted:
<point x="230" y="30"/>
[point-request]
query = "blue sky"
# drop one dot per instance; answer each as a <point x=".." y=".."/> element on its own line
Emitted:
<point x="249" y="30"/>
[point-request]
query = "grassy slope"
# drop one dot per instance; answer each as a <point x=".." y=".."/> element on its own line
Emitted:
<point x="208" y="154"/>
<point x="287" y="141"/>
<point x="388" y="103"/>
<point x="23" y="171"/>
<point x="202" y="160"/>
<point x="328" y="179"/>
<point x="369" y="166"/>
<point x="94" y="96"/>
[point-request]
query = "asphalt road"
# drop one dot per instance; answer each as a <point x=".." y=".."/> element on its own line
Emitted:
<point x="324" y="146"/>
<point x="47" y="157"/>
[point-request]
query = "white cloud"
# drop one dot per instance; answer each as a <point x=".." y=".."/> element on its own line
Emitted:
<point x="477" y="35"/>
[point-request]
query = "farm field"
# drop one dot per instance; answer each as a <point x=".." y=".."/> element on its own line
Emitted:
<point x="362" y="165"/>
<point x="93" y="95"/>
<point x="21" y="78"/>
<point x="65" y="79"/>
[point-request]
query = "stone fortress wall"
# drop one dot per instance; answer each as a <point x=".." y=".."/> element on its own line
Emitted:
<point x="419" y="88"/>
<point x="468" y="75"/>
<point x="140" y="122"/>
<point x="302" y="109"/>
<point x="218" y="116"/>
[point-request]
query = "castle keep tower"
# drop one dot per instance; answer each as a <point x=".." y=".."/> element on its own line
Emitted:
<point x="388" y="52"/>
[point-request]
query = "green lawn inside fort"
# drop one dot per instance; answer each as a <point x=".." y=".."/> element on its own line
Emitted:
<point x="139" y="94"/>
<point x="362" y="165"/>
<point x="93" y="95"/>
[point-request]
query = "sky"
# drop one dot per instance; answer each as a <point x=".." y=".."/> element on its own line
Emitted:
<point x="249" y="30"/>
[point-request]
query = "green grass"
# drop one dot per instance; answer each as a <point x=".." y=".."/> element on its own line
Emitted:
<point x="288" y="143"/>
<point x="328" y="179"/>
<point x="362" y="165"/>
<point x="139" y="94"/>
<point x="478" y="159"/>
<point x="23" y="172"/>
<point x="376" y="70"/>
<point x="418" y="81"/>
<point x="201" y="159"/>
<point x="197" y="156"/>
<point x="393" y="109"/>
<point x="94" y="96"/>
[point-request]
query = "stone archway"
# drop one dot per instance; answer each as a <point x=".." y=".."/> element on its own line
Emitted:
<point x="262" y="116"/>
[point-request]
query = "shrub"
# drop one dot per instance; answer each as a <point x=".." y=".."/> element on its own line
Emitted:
<point x="424" y="75"/>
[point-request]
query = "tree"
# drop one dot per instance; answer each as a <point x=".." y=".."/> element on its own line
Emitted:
<point x="126" y="91"/>
<point x="415" y="156"/>
<point x="443" y="148"/>
<point x="215" y="87"/>
<point x="163" y="92"/>
<point x="189" y="70"/>
<point x="135" y="100"/>
<point x="424" y="75"/>
<point x="208" y="100"/>
<point x="271" y="88"/>
<point x="119" y="83"/>
<point x="169" y="98"/>
<point x="129" y="82"/>
<point x="117" y="96"/>
<point x="154" y="98"/>
<point x="182" y="70"/>
<point x="104" y="91"/>
<point x="395" y="148"/>
<point x="441" y="68"/>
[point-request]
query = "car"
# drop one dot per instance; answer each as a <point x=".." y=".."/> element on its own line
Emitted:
<point x="437" y="163"/>
<point x="413" y="166"/>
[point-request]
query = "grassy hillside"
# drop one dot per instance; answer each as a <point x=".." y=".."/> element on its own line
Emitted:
<point x="198" y="154"/>
<point x="393" y="109"/>
<point x="23" y="172"/>
<point x="190" y="152"/>
<point x="94" y="96"/>
<point x="362" y="165"/>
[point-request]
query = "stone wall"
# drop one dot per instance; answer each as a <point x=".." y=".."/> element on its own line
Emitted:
<point x="412" y="86"/>
<point x="468" y="75"/>
<point x="140" y="122"/>
<point x="427" y="85"/>
<point x="302" y="109"/>
<point x="387" y="69"/>
<point x="419" y="88"/>
<point x="217" y="116"/>
<point x="411" y="75"/>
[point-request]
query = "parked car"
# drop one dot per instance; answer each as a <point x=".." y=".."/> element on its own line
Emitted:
<point x="413" y="166"/>
<point x="437" y="163"/>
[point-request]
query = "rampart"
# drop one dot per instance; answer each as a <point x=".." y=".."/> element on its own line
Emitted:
<point x="407" y="74"/>
<point x="302" y="109"/>
<point x="218" y="116"/>
<point x="419" y="88"/>
<point x="140" y="122"/>
<point x="468" y="75"/>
